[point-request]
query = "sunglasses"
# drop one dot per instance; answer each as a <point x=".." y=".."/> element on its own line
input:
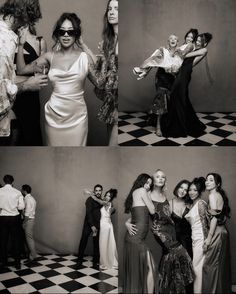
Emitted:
<point x="71" y="33"/>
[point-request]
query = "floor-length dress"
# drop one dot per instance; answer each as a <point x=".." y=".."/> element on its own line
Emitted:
<point x="66" y="111"/>
<point x="27" y="109"/>
<point x="217" y="267"/>
<point x="136" y="254"/>
<point x="107" y="242"/>
<point x="175" y="268"/>
<point x="181" y="119"/>
<point x="198" y="228"/>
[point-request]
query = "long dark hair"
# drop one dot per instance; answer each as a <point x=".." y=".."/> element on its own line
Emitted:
<point x="199" y="183"/>
<point x="219" y="189"/>
<point x="205" y="39"/>
<point x="194" y="32"/>
<point x="138" y="183"/>
<point x="113" y="194"/>
<point x="108" y="34"/>
<point x="76" y="23"/>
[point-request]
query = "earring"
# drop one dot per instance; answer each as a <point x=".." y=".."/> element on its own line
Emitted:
<point x="58" y="46"/>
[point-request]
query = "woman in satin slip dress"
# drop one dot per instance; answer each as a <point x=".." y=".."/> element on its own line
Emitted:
<point x="217" y="263"/>
<point x="197" y="217"/>
<point x="106" y="65"/>
<point x="66" y="118"/>
<point x="138" y="266"/>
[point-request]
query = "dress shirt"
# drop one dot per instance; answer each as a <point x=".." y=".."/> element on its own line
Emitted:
<point x="30" y="206"/>
<point x="8" y="89"/>
<point x="11" y="200"/>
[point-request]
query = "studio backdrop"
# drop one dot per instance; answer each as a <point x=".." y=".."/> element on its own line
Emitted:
<point x="57" y="177"/>
<point x="145" y="25"/>
<point x="178" y="164"/>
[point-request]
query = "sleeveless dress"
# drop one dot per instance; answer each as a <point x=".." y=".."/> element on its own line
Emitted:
<point x="107" y="242"/>
<point x="136" y="254"/>
<point x="66" y="111"/>
<point x="27" y="109"/>
<point x="217" y="263"/>
<point x="181" y="119"/>
<point x="175" y="268"/>
<point x="199" y="232"/>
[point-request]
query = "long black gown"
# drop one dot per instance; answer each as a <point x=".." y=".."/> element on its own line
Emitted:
<point x="135" y="268"/>
<point x="181" y="119"/>
<point x="27" y="109"/>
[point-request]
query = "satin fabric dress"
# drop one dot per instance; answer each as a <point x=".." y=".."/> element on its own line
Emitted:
<point x="66" y="111"/>
<point x="217" y="264"/>
<point x="194" y="218"/>
<point x="107" y="242"/>
<point x="136" y="252"/>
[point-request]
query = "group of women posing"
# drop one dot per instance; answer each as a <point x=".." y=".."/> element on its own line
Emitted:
<point x="192" y="234"/>
<point x="171" y="112"/>
<point x="68" y="65"/>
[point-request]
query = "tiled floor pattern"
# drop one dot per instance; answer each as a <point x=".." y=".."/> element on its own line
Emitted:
<point x="58" y="274"/>
<point x="220" y="131"/>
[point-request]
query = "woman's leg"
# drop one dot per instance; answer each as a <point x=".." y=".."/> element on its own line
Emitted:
<point x="112" y="130"/>
<point x="150" y="275"/>
<point x="158" y="126"/>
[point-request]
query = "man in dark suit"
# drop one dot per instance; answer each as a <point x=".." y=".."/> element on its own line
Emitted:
<point x="91" y="225"/>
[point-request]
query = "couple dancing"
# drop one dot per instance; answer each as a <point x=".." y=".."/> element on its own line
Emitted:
<point x="98" y="223"/>
<point x="70" y="62"/>
<point x="184" y="229"/>
<point x="172" y="113"/>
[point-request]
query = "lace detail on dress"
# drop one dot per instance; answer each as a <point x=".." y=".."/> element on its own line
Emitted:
<point x="202" y="209"/>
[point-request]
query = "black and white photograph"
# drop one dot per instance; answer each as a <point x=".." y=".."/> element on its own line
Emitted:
<point x="58" y="220"/>
<point x="68" y="49"/>
<point x="176" y="73"/>
<point x="176" y="220"/>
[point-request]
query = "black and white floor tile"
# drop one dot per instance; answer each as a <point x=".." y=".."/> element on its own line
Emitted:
<point x="220" y="131"/>
<point x="58" y="274"/>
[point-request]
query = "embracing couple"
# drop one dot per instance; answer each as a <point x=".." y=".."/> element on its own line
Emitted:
<point x="98" y="223"/>
<point x="172" y="112"/>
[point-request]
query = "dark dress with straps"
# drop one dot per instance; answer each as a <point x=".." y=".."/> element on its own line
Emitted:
<point x="135" y="267"/>
<point x="27" y="109"/>
<point x="181" y="119"/>
<point x="175" y="268"/>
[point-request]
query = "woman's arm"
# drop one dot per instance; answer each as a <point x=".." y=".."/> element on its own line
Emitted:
<point x="43" y="46"/>
<point x="92" y="57"/>
<point x="202" y="210"/>
<point x="148" y="202"/>
<point x="199" y="52"/>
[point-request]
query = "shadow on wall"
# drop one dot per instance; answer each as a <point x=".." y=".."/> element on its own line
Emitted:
<point x="146" y="26"/>
<point x="57" y="177"/>
<point x="178" y="164"/>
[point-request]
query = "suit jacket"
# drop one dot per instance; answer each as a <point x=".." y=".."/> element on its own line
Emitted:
<point x="93" y="213"/>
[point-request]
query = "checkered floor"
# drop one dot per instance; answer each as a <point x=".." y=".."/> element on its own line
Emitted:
<point x="220" y="131"/>
<point x="58" y="274"/>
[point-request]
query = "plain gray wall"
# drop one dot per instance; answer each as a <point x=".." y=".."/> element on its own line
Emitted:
<point x="146" y="24"/>
<point x="57" y="177"/>
<point x="178" y="164"/>
<point x="91" y="15"/>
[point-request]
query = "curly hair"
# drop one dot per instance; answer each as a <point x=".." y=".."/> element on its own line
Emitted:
<point x="23" y="11"/>
<point x="76" y="23"/>
<point x="138" y="183"/>
<point x="194" y="32"/>
<point x="199" y="183"/>
<point x="108" y="34"/>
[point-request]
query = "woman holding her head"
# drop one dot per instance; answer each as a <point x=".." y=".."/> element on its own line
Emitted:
<point x="139" y="267"/>
<point x="27" y="105"/>
<point x="106" y="69"/>
<point x="197" y="217"/>
<point x="181" y="119"/>
<point x="175" y="268"/>
<point x="217" y="268"/>
<point x="66" y="118"/>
